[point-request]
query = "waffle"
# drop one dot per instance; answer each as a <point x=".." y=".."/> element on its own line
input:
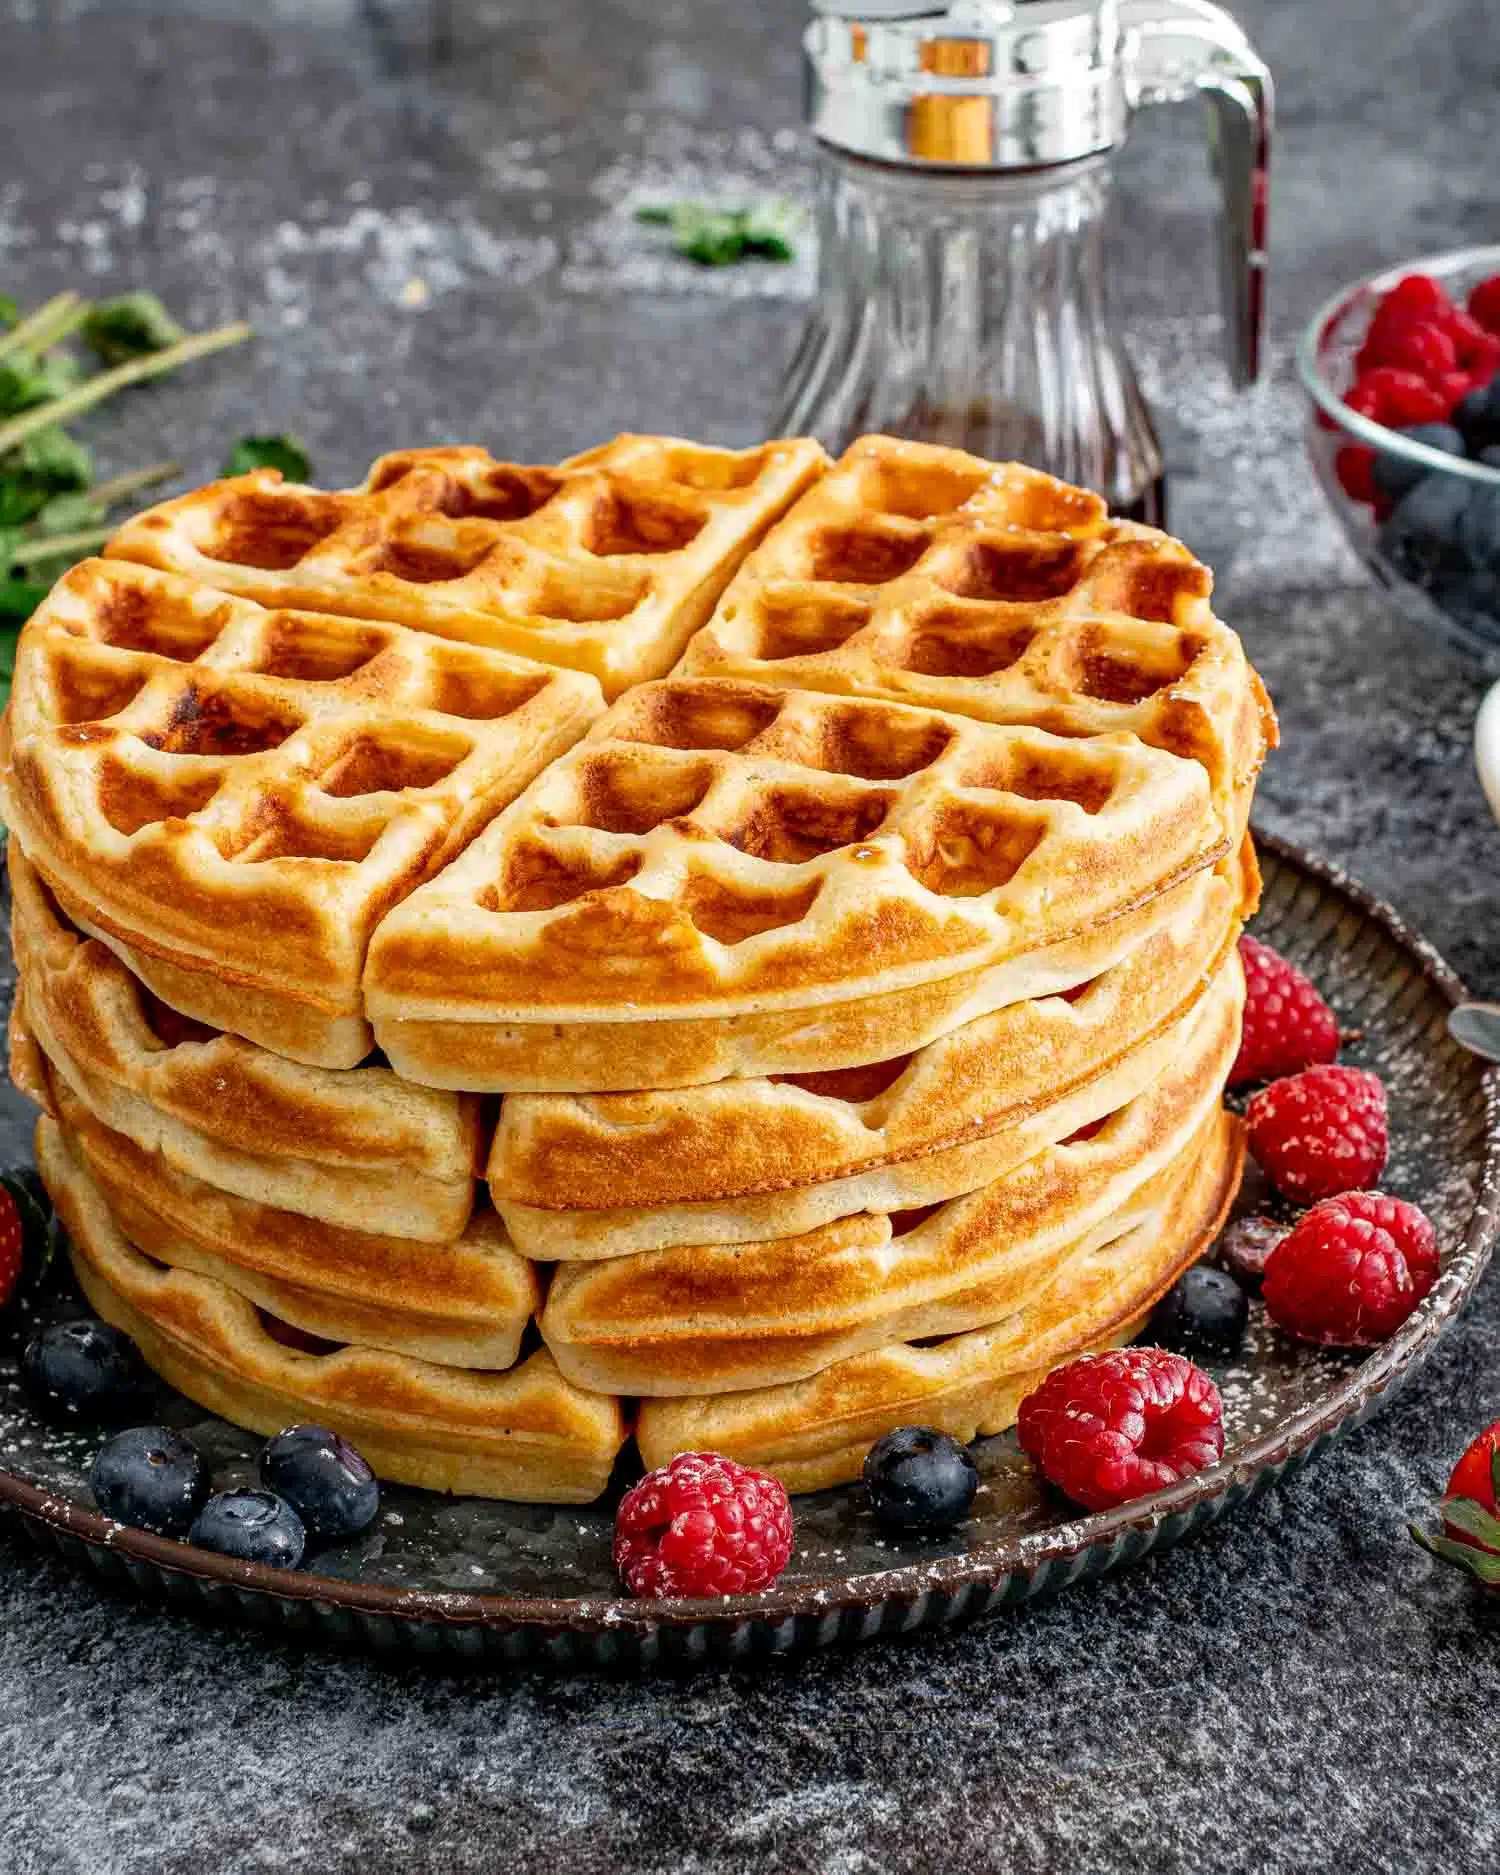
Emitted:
<point x="607" y="563"/>
<point x="930" y="576"/>
<point x="526" y="1434"/>
<point x="713" y="1318"/>
<point x="815" y="1433"/>
<point x="232" y="797"/>
<point x="610" y="1174"/>
<point x="356" y="1147"/>
<point x="716" y="850"/>
<point x="460" y="1304"/>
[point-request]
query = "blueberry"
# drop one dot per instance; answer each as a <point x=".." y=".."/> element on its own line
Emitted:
<point x="1479" y="529"/>
<point x="256" y="1526"/>
<point x="1421" y="537"/>
<point x="1478" y="416"/>
<point x="1246" y="1245"/>
<point x="1203" y="1313"/>
<point x="324" y="1479"/>
<point x="150" y="1477"/>
<point x="919" y="1479"/>
<point x="1474" y="599"/>
<point x="85" y="1370"/>
<point x="1394" y="475"/>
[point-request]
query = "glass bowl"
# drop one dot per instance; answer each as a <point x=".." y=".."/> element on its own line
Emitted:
<point x="1436" y="547"/>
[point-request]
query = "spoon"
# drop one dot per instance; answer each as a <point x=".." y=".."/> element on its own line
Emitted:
<point x="1476" y="1026"/>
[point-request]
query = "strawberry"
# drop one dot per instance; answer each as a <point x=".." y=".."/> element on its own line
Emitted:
<point x="10" y="1246"/>
<point x="23" y="1194"/>
<point x="1471" y="1520"/>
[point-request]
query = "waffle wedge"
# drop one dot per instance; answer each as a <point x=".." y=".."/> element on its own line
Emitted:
<point x="357" y="1147"/>
<point x="815" y="1433"/>
<point x="524" y="1434"/>
<point x="232" y="797"/>
<point x="716" y="852"/>
<point x="607" y="563"/>
<point x="922" y="574"/>
<point x="715" y="1318"/>
<point x="582" y="1176"/>
<point x="461" y="1304"/>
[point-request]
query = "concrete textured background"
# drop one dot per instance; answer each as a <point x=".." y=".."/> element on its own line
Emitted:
<point x="1299" y="1689"/>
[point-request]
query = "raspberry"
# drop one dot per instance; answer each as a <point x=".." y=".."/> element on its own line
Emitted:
<point x="1478" y="350"/>
<point x="10" y="1246"/>
<point x="1425" y="349"/>
<point x="1352" y="1270"/>
<point x="1484" y="304"/>
<point x="1455" y="387"/>
<point x="1363" y="398"/>
<point x="1402" y="398"/>
<point x="1320" y="1133"/>
<point x="702" y="1525"/>
<point x="1354" y="466"/>
<point x="1416" y="295"/>
<point x="1114" y="1426"/>
<point x="1288" y="1026"/>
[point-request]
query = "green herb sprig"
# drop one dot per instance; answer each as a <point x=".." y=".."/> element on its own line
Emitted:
<point x="287" y="453"/>
<point x="52" y="511"/>
<point x="720" y="237"/>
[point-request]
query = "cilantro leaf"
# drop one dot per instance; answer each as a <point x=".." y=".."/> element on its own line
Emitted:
<point x="286" y="453"/>
<point x="117" y="330"/>
<point x="10" y="312"/>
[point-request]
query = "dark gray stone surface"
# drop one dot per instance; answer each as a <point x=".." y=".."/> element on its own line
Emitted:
<point x="1300" y="1689"/>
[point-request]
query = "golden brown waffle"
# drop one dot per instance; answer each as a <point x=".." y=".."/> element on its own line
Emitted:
<point x="716" y="1317"/>
<point x="715" y="851"/>
<point x="232" y="797"/>
<point x="579" y="1175"/>
<point x="356" y="1147"/>
<point x="525" y="1434"/>
<point x="923" y="574"/>
<point x="815" y="1433"/>
<point x="607" y="563"/>
<point x="461" y="1304"/>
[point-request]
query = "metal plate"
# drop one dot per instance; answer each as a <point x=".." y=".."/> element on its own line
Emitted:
<point x="466" y="1581"/>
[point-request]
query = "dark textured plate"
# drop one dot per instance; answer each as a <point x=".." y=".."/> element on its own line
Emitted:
<point x="462" y="1580"/>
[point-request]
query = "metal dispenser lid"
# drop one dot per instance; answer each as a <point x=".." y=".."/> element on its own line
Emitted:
<point x="981" y="84"/>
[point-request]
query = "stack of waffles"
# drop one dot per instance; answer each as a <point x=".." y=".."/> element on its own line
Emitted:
<point x="718" y="948"/>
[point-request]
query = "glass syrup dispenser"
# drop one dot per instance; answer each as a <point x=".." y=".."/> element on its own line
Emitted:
<point x="965" y="157"/>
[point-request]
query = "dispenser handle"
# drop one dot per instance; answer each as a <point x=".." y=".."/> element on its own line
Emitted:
<point x="1172" y="49"/>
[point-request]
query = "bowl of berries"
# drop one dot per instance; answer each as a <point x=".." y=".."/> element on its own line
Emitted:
<point x="1402" y="371"/>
